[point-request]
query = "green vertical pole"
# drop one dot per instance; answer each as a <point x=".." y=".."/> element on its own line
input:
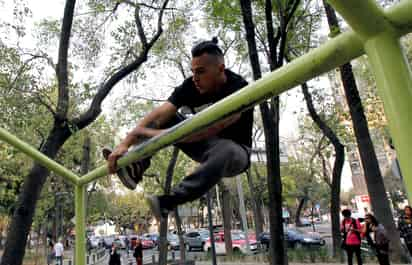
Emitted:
<point x="394" y="81"/>
<point x="80" y="212"/>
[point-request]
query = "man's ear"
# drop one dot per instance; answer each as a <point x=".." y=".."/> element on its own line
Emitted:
<point x="221" y="67"/>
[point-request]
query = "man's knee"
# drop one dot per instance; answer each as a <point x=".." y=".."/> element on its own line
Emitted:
<point x="236" y="159"/>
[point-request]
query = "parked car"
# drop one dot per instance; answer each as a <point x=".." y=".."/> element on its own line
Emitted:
<point x="96" y="241"/>
<point x="239" y="244"/>
<point x="196" y="239"/>
<point x="147" y="243"/>
<point x="154" y="237"/>
<point x="304" y="221"/>
<point x="173" y="241"/>
<point x="295" y="238"/>
<point x="108" y="241"/>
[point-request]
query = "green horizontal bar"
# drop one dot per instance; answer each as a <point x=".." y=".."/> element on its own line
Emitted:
<point x="330" y="55"/>
<point x="364" y="16"/>
<point x="38" y="156"/>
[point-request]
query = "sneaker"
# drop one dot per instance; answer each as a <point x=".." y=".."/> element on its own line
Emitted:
<point x="154" y="204"/>
<point x="129" y="175"/>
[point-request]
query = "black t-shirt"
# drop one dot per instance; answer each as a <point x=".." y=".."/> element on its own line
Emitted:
<point x="187" y="95"/>
<point x="138" y="251"/>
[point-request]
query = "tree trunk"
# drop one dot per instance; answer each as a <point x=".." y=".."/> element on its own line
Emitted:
<point x="373" y="177"/>
<point x="237" y="217"/>
<point x="277" y="249"/>
<point x="337" y="169"/>
<point x="299" y="210"/>
<point x="23" y="215"/>
<point x="257" y="206"/>
<point x="24" y="211"/>
<point x="270" y="118"/>
<point x="180" y="234"/>
<point x="202" y="217"/>
<point x="163" y="221"/>
<point x="227" y="217"/>
<point x="374" y="181"/>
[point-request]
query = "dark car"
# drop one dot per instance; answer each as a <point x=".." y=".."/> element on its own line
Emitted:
<point x="295" y="238"/>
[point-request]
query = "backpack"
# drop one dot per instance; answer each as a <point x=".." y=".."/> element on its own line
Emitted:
<point x="345" y="233"/>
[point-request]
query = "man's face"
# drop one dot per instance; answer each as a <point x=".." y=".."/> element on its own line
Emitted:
<point x="207" y="73"/>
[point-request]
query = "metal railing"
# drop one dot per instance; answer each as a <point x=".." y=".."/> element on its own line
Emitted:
<point x="375" y="33"/>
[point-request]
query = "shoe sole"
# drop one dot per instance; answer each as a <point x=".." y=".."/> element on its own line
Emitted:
<point x="121" y="173"/>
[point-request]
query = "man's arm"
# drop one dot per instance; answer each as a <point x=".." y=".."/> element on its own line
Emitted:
<point x="148" y="127"/>
<point x="213" y="130"/>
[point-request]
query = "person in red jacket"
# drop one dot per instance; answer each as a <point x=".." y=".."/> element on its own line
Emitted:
<point x="351" y="230"/>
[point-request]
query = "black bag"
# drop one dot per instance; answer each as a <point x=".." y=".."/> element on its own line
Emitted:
<point x="343" y="243"/>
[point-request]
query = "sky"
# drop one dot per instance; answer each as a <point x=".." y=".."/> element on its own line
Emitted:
<point x="292" y="100"/>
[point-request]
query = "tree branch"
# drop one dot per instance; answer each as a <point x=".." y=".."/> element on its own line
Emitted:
<point x="45" y="104"/>
<point x="273" y="42"/>
<point x="23" y="68"/>
<point x="95" y="107"/>
<point x="283" y="31"/>
<point x="62" y="65"/>
<point x="140" y="29"/>
<point x="324" y="169"/>
<point x="290" y="14"/>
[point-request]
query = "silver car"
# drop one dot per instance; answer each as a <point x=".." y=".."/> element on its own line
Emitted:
<point x="196" y="239"/>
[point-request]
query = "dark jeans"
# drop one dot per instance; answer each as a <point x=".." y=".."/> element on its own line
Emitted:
<point x="382" y="253"/>
<point x="353" y="249"/>
<point x="218" y="158"/>
<point x="409" y="246"/>
<point x="383" y="259"/>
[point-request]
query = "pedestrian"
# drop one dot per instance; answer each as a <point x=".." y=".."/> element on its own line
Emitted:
<point x="114" y="256"/>
<point x="377" y="238"/>
<point x="59" y="252"/>
<point x="405" y="227"/>
<point x="138" y="252"/>
<point x="50" y="251"/>
<point x="127" y="244"/>
<point x="223" y="149"/>
<point x="351" y="236"/>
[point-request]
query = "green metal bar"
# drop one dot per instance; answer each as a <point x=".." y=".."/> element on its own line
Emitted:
<point x="364" y="16"/>
<point x="80" y="217"/>
<point x="38" y="156"/>
<point x="394" y="81"/>
<point x="400" y="17"/>
<point x="330" y="55"/>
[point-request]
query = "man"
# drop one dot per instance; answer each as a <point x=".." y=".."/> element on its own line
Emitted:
<point x="58" y="252"/>
<point x="223" y="150"/>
